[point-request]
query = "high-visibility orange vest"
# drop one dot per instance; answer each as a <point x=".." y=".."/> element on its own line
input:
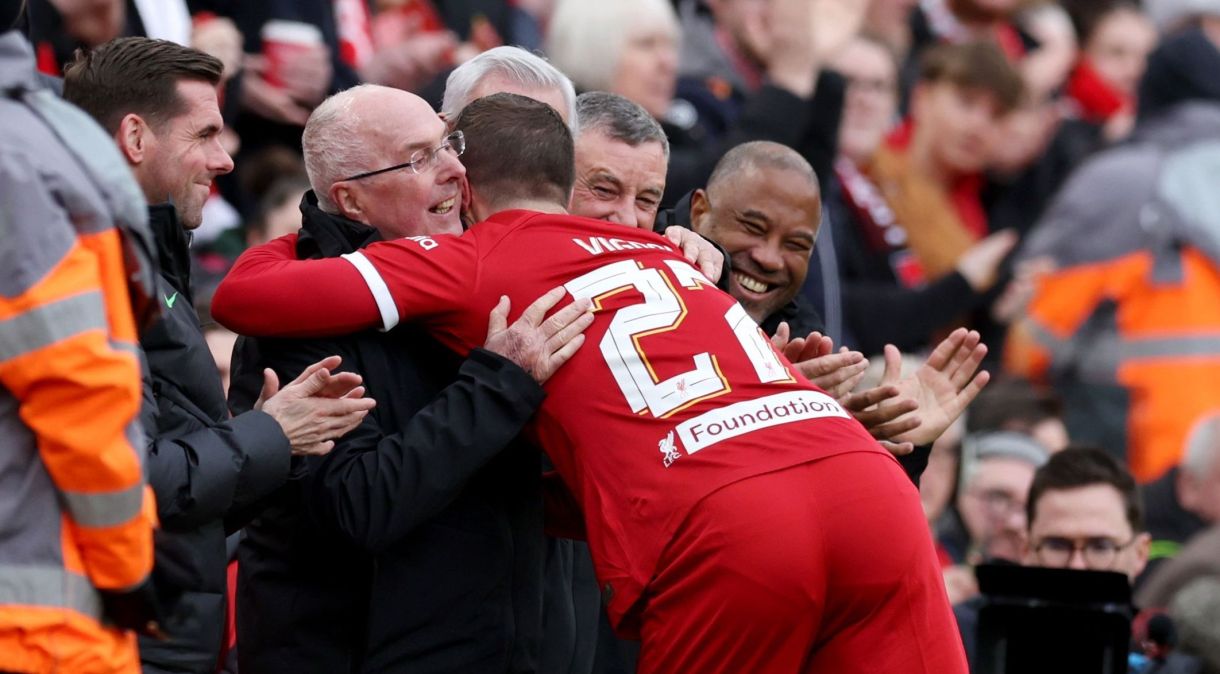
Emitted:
<point x="1164" y="348"/>
<point x="75" y="515"/>
<point x="1134" y="304"/>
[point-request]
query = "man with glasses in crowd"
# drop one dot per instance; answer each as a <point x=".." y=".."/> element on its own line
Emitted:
<point x="1084" y="512"/>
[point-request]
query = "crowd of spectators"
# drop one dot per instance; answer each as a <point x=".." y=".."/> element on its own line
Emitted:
<point x="879" y="177"/>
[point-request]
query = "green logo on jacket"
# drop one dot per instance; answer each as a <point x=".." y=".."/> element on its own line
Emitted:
<point x="170" y="299"/>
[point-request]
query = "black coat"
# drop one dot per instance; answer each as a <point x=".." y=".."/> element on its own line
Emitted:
<point x="416" y="544"/>
<point x="204" y="466"/>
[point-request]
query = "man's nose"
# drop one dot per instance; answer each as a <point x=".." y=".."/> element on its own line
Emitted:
<point x="767" y="257"/>
<point x="448" y="166"/>
<point x="1076" y="561"/>
<point x="219" y="162"/>
<point x="624" y="213"/>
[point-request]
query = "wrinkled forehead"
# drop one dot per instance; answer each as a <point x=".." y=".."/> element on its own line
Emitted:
<point x="596" y="148"/>
<point x="401" y="127"/>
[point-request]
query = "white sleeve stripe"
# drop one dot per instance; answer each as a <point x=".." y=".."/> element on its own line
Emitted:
<point x="377" y="286"/>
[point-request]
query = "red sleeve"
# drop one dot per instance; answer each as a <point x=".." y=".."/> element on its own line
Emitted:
<point x="269" y="293"/>
<point x="420" y="277"/>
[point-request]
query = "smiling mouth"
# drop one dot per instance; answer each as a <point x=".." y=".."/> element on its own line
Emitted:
<point x="751" y="284"/>
<point x="444" y="207"/>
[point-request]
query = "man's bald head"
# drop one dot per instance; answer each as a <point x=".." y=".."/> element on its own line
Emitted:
<point x="763" y="205"/>
<point x="369" y="128"/>
<point x="760" y="154"/>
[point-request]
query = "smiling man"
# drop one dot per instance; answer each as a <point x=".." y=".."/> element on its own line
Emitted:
<point x="621" y="159"/>
<point x="763" y="205"/>
<point x="158" y="101"/>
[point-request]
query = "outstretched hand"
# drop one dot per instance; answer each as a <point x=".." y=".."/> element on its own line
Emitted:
<point x="944" y="385"/>
<point x="537" y="344"/>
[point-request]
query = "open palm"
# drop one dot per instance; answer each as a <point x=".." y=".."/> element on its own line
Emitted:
<point x="943" y="386"/>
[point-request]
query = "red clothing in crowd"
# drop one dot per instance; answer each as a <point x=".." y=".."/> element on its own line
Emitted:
<point x="656" y="424"/>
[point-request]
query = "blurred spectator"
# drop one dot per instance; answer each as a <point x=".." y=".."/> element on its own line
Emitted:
<point x="631" y="48"/>
<point x="917" y="203"/>
<point x="410" y="45"/>
<point x="1196" y="613"/>
<point x="1119" y="327"/>
<point x="297" y="52"/>
<point x="1199" y="473"/>
<point x="279" y="212"/>
<point x="889" y="22"/>
<point x="1199" y="558"/>
<point x="628" y="47"/>
<point x="988" y="518"/>
<point x="58" y="27"/>
<point x="1181" y="506"/>
<point x="76" y="518"/>
<point x="1014" y="404"/>
<point x="886" y="298"/>
<point x="158" y="100"/>
<point x="1116" y="38"/>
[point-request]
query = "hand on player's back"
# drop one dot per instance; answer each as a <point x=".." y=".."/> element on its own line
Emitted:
<point x="537" y="344"/>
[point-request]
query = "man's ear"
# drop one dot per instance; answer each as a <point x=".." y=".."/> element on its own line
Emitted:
<point x="133" y="138"/>
<point x="346" y="201"/>
<point x="1143" y="549"/>
<point x="700" y="207"/>
<point x="467" y="215"/>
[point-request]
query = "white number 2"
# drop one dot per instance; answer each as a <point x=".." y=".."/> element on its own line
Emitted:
<point x="663" y="310"/>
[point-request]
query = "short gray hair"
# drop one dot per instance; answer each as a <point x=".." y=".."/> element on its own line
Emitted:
<point x="512" y="63"/>
<point x="620" y="119"/>
<point x="978" y="447"/>
<point x="1202" y="445"/>
<point x="331" y="144"/>
<point x="585" y="38"/>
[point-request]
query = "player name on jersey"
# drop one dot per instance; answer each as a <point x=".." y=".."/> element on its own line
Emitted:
<point x="598" y="245"/>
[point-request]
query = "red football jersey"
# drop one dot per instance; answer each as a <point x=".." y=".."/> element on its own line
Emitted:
<point x="675" y="393"/>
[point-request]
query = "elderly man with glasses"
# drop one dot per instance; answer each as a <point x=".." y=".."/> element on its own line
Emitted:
<point x="419" y="538"/>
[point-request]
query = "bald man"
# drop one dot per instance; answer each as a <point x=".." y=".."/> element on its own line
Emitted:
<point x="419" y="539"/>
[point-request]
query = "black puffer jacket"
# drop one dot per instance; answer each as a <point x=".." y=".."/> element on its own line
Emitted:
<point x="416" y="545"/>
<point x="203" y="465"/>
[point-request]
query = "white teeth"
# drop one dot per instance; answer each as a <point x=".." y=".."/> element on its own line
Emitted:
<point x="444" y="206"/>
<point x="750" y="284"/>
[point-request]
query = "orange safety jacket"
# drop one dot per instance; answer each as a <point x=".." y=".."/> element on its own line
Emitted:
<point x="75" y="515"/>
<point x="1128" y="325"/>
